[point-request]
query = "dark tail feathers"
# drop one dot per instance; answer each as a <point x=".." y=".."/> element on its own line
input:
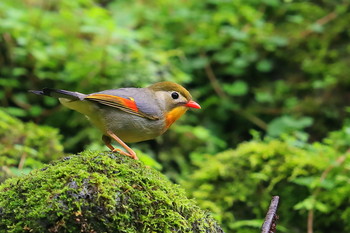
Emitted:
<point x="59" y="93"/>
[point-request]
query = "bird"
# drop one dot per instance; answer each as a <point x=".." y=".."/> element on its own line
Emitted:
<point x="130" y="114"/>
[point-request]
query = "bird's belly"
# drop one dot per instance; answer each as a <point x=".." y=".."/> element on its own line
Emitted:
<point x="131" y="128"/>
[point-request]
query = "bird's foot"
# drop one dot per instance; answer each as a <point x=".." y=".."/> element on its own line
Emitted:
<point x="133" y="155"/>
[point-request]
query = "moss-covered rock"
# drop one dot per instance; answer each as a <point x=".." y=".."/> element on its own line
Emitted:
<point x="98" y="192"/>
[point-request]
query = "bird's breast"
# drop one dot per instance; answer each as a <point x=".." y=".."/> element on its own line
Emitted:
<point x="131" y="128"/>
<point x="174" y="115"/>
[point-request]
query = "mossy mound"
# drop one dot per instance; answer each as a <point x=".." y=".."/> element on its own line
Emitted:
<point x="98" y="192"/>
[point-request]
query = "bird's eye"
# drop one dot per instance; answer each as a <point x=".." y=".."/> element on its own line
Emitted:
<point x="175" y="95"/>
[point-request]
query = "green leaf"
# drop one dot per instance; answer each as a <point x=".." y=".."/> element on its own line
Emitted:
<point x="237" y="88"/>
<point x="264" y="97"/>
<point x="306" y="204"/>
<point x="264" y="66"/>
<point x="35" y="110"/>
<point x="18" y="112"/>
<point x="287" y="124"/>
<point x="305" y="181"/>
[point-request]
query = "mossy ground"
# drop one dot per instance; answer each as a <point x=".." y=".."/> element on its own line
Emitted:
<point x="98" y="192"/>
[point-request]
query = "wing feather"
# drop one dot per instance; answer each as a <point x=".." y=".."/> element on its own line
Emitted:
<point x="124" y="104"/>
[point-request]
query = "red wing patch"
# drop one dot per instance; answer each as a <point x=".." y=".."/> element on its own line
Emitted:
<point x="126" y="105"/>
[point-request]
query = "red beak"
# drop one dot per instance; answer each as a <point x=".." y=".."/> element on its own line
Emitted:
<point x="192" y="104"/>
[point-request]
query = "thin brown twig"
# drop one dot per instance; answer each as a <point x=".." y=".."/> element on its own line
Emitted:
<point x="7" y="170"/>
<point x="254" y="119"/>
<point x="21" y="162"/>
<point x="339" y="161"/>
<point x="310" y="221"/>
<point x="269" y="225"/>
<point x="322" y="21"/>
<point x="213" y="80"/>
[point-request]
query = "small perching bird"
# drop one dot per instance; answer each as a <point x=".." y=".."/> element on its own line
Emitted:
<point x="129" y="114"/>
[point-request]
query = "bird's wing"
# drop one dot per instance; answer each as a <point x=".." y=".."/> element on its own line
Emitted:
<point x="125" y="104"/>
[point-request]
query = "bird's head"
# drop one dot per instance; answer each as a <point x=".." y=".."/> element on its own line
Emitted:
<point x="174" y="99"/>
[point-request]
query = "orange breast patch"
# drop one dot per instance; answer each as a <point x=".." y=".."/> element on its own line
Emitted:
<point x="174" y="115"/>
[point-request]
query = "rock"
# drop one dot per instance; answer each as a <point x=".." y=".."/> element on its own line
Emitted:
<point x="98" y="192"/>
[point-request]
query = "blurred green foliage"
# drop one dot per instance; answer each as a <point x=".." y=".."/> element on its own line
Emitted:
<point x="70" y="45"/>
<point x="25" y="146"/>
<point x="309" y="178"/>
<point x="251" y="64"/>
<point x="275" y="67"/>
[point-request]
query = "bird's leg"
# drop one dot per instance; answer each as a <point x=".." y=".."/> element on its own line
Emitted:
<point x="107" y="141"/>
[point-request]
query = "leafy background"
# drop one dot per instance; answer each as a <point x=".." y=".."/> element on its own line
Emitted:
<point x="271" y="77"/>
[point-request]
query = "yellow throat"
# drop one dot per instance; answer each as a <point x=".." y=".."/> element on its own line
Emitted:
<point x="174" y="115"/>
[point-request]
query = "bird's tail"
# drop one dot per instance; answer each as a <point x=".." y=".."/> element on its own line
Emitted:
<point x="59" y="93"/>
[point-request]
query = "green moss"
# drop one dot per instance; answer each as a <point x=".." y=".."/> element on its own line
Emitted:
<point x="237" y="185"/>
<point x="98" y="192"/>
<point x="24" y="146"/>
